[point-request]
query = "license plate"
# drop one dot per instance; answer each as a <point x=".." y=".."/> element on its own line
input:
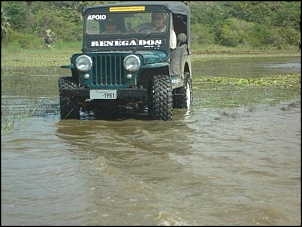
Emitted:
<point x="103" y="94"/>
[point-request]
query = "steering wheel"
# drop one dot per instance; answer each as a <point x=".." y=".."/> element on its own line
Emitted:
<point x="147" y="30"/>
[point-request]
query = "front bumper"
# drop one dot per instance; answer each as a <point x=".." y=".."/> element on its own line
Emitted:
<point x="121" y="93"/>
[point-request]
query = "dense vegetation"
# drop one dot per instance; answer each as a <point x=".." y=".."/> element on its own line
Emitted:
<point x="250" y="24"/>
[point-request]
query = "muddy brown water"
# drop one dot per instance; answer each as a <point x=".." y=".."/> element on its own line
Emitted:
<point x="208" y="166"/>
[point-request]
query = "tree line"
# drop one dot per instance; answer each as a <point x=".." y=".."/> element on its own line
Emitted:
<point x="253" y="24"/>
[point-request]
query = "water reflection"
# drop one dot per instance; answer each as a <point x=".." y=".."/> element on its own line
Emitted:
<point x="131" y="136"/>
<point x="130" y="162"/>
<point x="282" y="66"/>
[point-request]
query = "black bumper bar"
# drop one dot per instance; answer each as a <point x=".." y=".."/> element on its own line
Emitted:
<point x="121" y="93"/>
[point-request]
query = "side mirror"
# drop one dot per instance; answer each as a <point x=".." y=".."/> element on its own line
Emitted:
<point x="181" y="38"/>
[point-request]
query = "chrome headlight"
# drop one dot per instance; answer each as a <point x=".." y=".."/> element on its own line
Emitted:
<point x="83" y="63"/>
<point x="132" y="63"/>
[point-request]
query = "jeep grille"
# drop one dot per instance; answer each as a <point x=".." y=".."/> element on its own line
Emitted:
<point x="108" y="70"/>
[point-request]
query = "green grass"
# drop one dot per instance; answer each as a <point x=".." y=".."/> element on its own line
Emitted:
<point x="60" y="54"/>
<point x="222" y="50"/>
<point x="220" y="92"/>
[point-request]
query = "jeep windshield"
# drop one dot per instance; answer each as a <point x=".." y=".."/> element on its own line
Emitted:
<point x="122" y="28"/>
<point x="124" y="23"/>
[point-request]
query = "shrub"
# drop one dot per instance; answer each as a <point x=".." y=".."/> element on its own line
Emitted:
<point x="25" y="41"/>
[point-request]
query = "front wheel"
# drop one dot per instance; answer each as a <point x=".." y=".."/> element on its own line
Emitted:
<point x="69" y="106"/>
<point x="160" y="98"/>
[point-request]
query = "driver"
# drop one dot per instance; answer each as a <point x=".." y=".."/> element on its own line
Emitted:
<point x="158" y="25"/>
<point x="158" y="21"/>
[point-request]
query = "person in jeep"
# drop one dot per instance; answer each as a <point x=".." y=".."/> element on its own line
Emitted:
<point x="158" y="25"/>
<point x="110" y="26"/>
<point x="130" y="69"/>
<point x="158" y="21"/>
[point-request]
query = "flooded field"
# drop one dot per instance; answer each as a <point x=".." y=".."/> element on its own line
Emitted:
<point x="212" y="165"/>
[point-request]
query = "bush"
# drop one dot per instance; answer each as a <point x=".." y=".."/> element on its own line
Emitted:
<point x="235" y="32"/>
<point x="201" y="34"/>
<point x="24" y="40"/>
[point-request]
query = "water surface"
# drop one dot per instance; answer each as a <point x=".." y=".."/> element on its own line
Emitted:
<point x="208" y="166"/>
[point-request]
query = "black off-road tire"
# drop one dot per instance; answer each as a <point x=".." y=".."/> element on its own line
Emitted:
<point x="183" y="96"/>
<point x="160" y="98"/>
<point x="69" y="106"/>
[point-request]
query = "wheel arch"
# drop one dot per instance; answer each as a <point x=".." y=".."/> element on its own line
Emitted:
<point x="144" y="76"/>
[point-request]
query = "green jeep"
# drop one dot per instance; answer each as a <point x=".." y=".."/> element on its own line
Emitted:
<point x="135" y="67"/>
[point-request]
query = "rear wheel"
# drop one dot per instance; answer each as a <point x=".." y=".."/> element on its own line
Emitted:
<point x="183" y="97"/>
<point x="160" y="98"/>
<point x="69" y="106"/>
